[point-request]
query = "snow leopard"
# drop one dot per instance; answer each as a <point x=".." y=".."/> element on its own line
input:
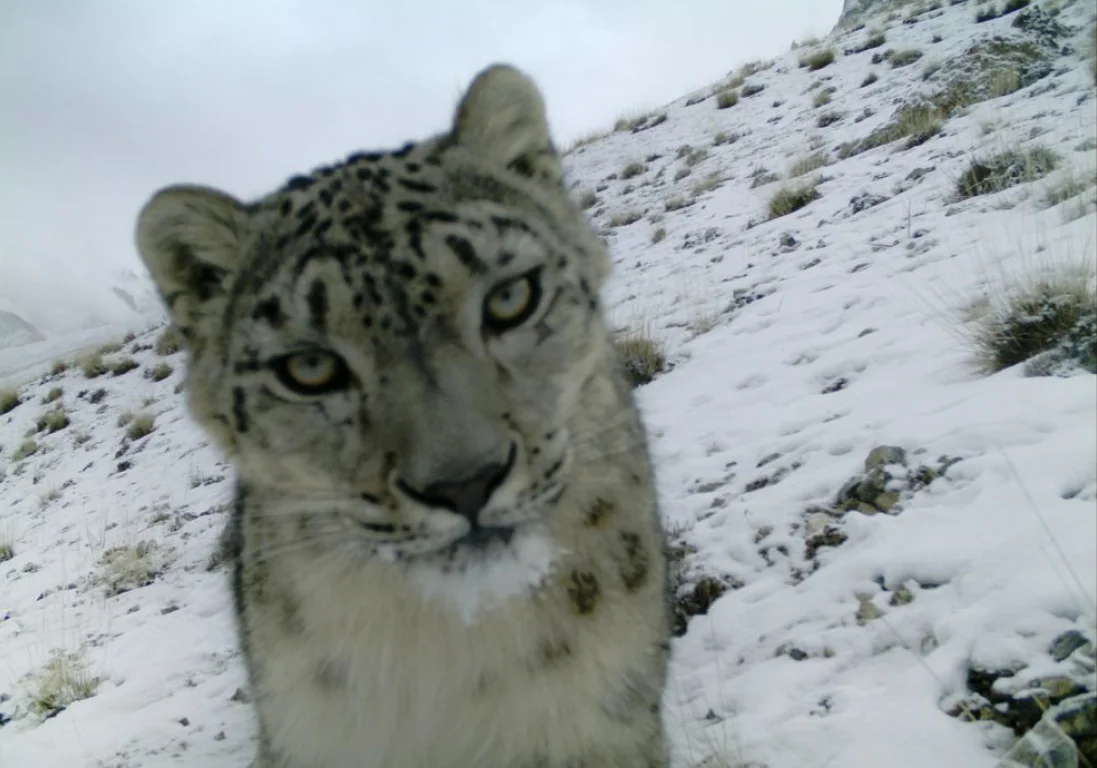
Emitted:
<point x="445" y="545"/>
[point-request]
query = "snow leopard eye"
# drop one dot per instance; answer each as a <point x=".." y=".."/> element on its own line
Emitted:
<point x="511" y="303"/>
<point x="314" y="372"/>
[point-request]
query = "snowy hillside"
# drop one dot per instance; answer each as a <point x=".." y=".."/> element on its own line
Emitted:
<point x="36" y="306"/>
<point x="885" y="553"/>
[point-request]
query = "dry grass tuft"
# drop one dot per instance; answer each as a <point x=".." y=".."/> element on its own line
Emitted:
<point x="1050" y="323"/>
<point x="633" y="170"/>
<point x="125" y="365"/>
<point x="642" y="357"/>
<point x="808" y="163"/>
<point x="727" y="98"/>
<point x="817" y="60"/>
<point x="53" y="395"/>
<point x="9" y="400"/>
<point x="985" y="176"/>
<point x="53" y="420"/>
<point x="25" y="449"/>
<point x="129" y="567"/>
<point x="92" y="365"/>
<point x="624" y="218"/>
<point x="159" y="372"/>
<point x="62" y="681"/>
<point x="791" y="198"/>
<point x="169" y="342"/>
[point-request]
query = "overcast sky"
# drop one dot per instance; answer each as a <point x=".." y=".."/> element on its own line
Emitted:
<point x="103" y="101"/>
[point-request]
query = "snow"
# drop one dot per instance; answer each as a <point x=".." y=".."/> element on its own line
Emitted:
<point x="850" y="342"/>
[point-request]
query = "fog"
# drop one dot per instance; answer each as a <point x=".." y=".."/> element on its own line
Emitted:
<point x="106" y="100"/>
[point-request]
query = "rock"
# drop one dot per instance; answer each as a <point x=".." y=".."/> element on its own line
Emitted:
<point x="830" y="536"/>
<point x="1066" y="644"/>
<point x="901" y="596"/>
<point x="1064" y="733"/>
<point x="865" y="200"/>
<point x="887" y="500"/>
<point x="867" y="610"/>
<point x="885" y="454"/>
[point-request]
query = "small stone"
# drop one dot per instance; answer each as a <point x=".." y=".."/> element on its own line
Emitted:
<point x="815" y="523"/>
<point x="1058" y="687"/>
<point x="901" y="596"/>
<point x="1066" y="644"/>
<point x="866" y="509"/>
<point x="240" y="695"/>
<point x="797" y="655"/>
<point x="885" y="454"/>
<point x="867" y="611"/>
<point x="887" y="500"/>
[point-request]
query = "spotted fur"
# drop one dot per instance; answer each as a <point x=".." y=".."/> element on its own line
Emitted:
<point x="443" y="438"/>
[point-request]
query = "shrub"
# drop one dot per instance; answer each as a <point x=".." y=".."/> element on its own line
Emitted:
<point x="92" y="366"/>
<point x="903" y="58"/>
<point x="25" y="449"/>
<point x="874" y="40"/>
<point x="7" y="550"/>
<point x="808" y="163"/>
<point x="111" y="348"/>
<point x="63" y="681"/>
<point x="624" y="218"/>
<point x="988" y="13"/>
<point x="817" y="60"/>
<point x="9" y="400"/>
<point x="760" y="176"/>
<point x="58" y="367"/>
<point x="707" y="184"/>
<point x="827" y="119"/>
<point x="870" y="78"/>
<point x="643" y="358"/>
<point x="1068" y="188"/>
<point x="752" y="90"/>
<point x="53" y="395"/>
<point x="53" y="420"/>
<point x="915" y="122"/>
<point x="658" y="235"/>
<point x="129" y="567"/>
<point x="633" y="170"/>
<point x="125" y="365"/>
<point x="1014" y="5"/>
<point x="725" y="99"/>
<point x="676" y="203"/>
<point x="587" y="199"/>
<point x="695" y="156"/>
<point x="722" y="138"/>
<point x="1051" y="323"/>
<point x="140" y="426"/>
<point x="822" y="98"/>
<point x="681" y="173"/>
<point x="169" y="342"/>
<point x="159" y="372"/>
<point x="1004" y="170"/>
<point x="789" y="199"/>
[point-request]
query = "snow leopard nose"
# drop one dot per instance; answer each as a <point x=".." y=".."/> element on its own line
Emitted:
<point x="468" y="495"/>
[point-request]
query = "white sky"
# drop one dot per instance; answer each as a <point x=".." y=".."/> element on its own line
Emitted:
<point x="103" y="101"/>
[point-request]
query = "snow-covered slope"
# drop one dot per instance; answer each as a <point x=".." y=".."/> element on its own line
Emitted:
<point x="56" y="303"/>
<point x="868" y="598"/>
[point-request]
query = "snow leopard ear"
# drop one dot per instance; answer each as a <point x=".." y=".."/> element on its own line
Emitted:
<point x="190" y="239"/>
<point x="502" y="118"/>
